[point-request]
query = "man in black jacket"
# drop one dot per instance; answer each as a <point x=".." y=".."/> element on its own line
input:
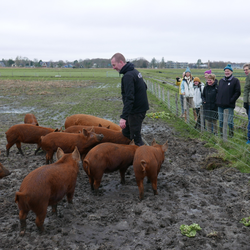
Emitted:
<point x="134" y="97"/>
<point x="228" y="92"/>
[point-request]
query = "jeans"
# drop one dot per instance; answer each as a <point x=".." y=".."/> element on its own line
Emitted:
<point x="182" y="105"/>
<point x="133" y="128"/>
<point x="230" y="117"/>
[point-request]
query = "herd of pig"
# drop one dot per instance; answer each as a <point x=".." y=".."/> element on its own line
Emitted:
<point x="98" y="143"/>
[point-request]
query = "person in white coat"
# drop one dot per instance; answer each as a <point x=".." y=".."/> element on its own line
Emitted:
<point x="198" y="89"/>
<point x="187" y="90"/>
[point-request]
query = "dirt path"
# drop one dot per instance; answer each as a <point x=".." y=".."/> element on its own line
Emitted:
<point x="215" y="199"/>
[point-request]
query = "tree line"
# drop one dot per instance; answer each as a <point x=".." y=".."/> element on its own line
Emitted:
<point x="105" y="63"/>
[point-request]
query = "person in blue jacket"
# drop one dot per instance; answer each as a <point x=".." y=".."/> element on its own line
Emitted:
<point x="134" y="97"/>
<point x="228" y="92"/>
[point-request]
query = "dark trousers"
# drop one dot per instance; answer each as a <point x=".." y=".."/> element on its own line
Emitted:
<point x="133" y="128"/>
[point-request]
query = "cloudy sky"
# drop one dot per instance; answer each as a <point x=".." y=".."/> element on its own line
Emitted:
<point x="178" y="30"/>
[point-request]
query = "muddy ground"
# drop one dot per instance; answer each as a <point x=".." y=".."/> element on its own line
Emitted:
<point x="216" y="199"/>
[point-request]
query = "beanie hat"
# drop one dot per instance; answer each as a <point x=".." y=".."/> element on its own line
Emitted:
<point x="197" y="79"/>
<point x="187" y="70"/>
<point x="208" y="72"/>
<point x="228" y="67"/>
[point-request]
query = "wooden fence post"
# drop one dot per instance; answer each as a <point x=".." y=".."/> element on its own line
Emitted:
<point x="176" y="104"/>
<point x="163" y="95"/>
<point x="225" y="122"/>
<point x="168" y="100"/>
<point x="202" y="120"/>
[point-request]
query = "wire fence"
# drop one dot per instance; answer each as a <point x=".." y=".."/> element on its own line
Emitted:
<point x="230" y="138"/>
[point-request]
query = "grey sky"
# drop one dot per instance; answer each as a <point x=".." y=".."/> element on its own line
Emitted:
<point x="178" y="30"/>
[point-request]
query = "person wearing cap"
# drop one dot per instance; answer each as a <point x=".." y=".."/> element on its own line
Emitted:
<point x="206" y="73"/>
<point x="228" y="92"/>
<point x="209" y="103"/>
<point x="178" y="83"/>
<point x="187" y="89"/>
<point x="198" y="89"/>
<point x="246" y="97"/>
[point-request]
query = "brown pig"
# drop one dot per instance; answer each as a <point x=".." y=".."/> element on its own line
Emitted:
<point x="67" y="142"/>
<point x="25" y="133"/>
<point x="30" y="119"/>
<point x="3" y="171"/>
<point x="108" y="157"/>
<point x="109" y="134"/>
<point x="147" y="162"/>
<point x="89" y="120"/>
<point x="46" y="186"/>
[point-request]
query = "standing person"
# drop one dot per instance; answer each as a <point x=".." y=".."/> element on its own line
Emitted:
<point x="178" y="83"/>
<point x="206" y="73"/>
<point x="134" y="97"/>
<point x="198" y="89"/>
<point x="246" y="97"/>
<point x="187" y="89"/>
<point x="228" y="93"/>
<point x="209" y="103"/>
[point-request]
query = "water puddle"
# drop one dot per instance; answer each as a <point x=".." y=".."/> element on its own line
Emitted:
<point x="9" y="110"/>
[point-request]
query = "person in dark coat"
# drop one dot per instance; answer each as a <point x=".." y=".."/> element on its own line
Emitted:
<point x="209" y="103"/>
<point x="246" y="97"/>
<point x="134" y="97"/>
<point x="228" y="92"/>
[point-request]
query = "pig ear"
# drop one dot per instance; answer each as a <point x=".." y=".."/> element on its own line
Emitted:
<point x="108" y="127"/>
<point x="153" y="142"/>
<point x="56" y="130"/>
<point x="165" y="146"/>
<point x="85" y="132"/>
<point x="59" y="153"/>
<point x="76" y="154"/>
<point x="100" y="125"/>
<point x="132" y="142"/>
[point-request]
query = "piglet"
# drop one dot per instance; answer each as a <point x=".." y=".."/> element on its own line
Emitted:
<point x="110" y="135"/>
<point x="89" y="120"/>
<point x="147" y="162"/>
<point x="67" y="142"/>
<point x="108" y="157"/>
<point x="3" y="171"/>
<point x="46" y="186"/>
<point x="30" y="119"/>
<point x="25" y="133"/>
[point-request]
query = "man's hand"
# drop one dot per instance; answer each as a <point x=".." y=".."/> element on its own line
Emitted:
<point x="123" y="123"/>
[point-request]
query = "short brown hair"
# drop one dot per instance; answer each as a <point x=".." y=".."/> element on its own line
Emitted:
<point x="118" y="57"/>
<point x="246" y="65"/>
<point x="211" y="76"/>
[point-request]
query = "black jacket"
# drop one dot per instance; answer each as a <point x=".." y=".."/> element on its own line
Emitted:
<point x="209" y="96"/>
<point x="209" y="101"/>
<point x="228" y="92"/>
<point x="134" y="91"/>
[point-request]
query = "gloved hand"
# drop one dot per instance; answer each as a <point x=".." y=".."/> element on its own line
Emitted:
<point x="178" y="79"/>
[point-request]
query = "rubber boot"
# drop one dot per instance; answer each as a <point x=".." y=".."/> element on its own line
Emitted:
<point x="195" y="115"/>
<point x="185" y="115"/>
<point x="221" y="132"/>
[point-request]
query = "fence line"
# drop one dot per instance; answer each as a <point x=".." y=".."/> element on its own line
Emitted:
<point x="235" y="145"/>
